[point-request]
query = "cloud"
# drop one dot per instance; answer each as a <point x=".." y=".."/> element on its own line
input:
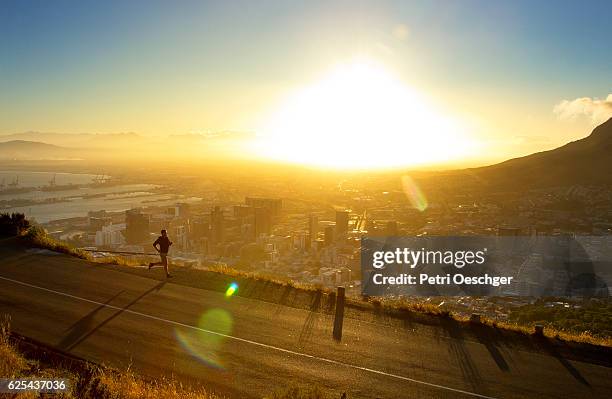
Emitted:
<point x="597" y="110"/>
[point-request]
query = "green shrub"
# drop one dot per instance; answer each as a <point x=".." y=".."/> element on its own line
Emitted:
<point x="13" y="225"/>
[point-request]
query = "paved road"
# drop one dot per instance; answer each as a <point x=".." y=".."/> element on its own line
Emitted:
<point x="244" y="347"/>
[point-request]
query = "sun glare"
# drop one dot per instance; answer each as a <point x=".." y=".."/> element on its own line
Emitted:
<point x="361" y="116"/>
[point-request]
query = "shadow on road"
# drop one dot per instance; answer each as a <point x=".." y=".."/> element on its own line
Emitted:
<point x="83" y="325"/>
<point x="82" y="329"/>
<point x="554" y="352"/>
<point x="282" y="301"/>
<point x="464" y="359"/>
<point x="311" y="319"/>
<point x="489" y="338"/>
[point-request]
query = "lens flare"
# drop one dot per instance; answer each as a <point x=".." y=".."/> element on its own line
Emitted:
<point x="413" y="192"/>
<point x="231" y="290"/>
<point x="205" y="344"/>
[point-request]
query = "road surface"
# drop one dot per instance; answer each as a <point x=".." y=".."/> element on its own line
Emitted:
<point x="243" y="347"/>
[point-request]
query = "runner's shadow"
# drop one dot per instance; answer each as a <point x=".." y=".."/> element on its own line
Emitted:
<point x="83" y="324"/>
<point x="82" y="329"/>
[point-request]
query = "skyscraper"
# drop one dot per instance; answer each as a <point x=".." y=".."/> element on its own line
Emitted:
<point x="137" y="226"/>
<point x="199" y="227"/>
<point x="217" y="225"/>
<point x="342" y="219"/>
<point x="313" y="226"/>
<point x="391" y="228"/>
<point x="263" y="221"/>
<point x="183" y="210"/>
<point x="273" y="204"/>
<point x="329" y="235"/>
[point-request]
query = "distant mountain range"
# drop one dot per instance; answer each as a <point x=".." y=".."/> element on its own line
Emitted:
<point x="77" y="140"/>
<point x="121" y="146"/>
<point x="32" y="150"/>
<point x="584" y="161"/>
<point x="118" y="140"/>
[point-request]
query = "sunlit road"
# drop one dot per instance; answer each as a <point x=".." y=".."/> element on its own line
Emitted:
<point x="244" y="347"/>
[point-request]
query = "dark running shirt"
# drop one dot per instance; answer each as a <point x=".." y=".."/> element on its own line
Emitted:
<point x="164" y="244"/>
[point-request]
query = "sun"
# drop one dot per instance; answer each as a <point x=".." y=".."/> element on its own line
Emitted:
<point x="360" y="115"/>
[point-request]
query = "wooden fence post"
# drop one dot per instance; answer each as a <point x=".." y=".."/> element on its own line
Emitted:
<point x="339" y="317"/>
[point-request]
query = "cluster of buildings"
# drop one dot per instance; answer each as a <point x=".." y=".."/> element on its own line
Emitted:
<point x="308" y="240"/>
<point x="253" y="235"/>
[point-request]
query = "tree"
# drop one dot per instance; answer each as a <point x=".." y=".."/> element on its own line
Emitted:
<point x="13" y="224"/>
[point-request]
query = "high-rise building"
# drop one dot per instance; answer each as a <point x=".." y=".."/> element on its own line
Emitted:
<point x="313" y="226"/>
<point x="96" y="223"/>
<point x="110" y="235"/>
<point x="199" y="227"/>
<point x="217" y="225"/>
<point x="391" y="228"/>
<point x="137" y="226"/>
<point x="179" y="237"/>
<point x="183" y="210"/>
<point x="342" y="219"/>
<point x="263" y="221"/>
<point x="273" y="204"/>
<point x="204" y="245"/>
<point x="242" y="211"/>
<point x="329" y="235"/>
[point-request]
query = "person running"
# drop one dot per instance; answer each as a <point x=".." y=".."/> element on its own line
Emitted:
<point x="162" y="245"/>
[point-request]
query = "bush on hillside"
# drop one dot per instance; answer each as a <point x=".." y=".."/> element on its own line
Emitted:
<point x="37" y="237"/>
<point x="13" y="224"/>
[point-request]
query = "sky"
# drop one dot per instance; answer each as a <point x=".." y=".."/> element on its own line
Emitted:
<point x="520" y="76"/>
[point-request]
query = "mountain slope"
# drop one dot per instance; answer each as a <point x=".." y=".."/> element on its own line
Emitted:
<point x="31" y="150"/>
<point x="584" y="161"/>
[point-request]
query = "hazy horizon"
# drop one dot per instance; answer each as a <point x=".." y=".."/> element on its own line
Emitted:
<point x="222" y="146"/>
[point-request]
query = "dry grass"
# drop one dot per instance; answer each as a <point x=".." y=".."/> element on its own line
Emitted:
<point x="402" y="304"/>
<point x="123" y="261"/>
<point x="37" y="237"/>
<point x="262" y="277"/>
<point x="93" y="382"/>
<point x="126" y="385"/>
<point x="300" y="393"/>
<point x="551" y="332"/>
<point x="396" y="307"/>
<point x="11" y="363"/>
<point x="15" y="365"/>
